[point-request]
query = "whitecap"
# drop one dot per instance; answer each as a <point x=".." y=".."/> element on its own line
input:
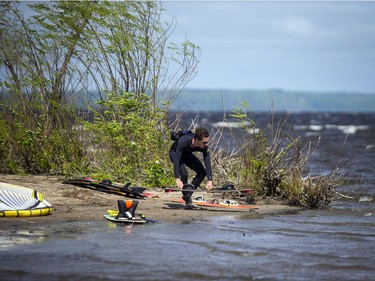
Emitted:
<point x="365" y="199"/>
<point x="223" y="124"/>
<point x="347" y="129"/>
<point x="316" y="127"/>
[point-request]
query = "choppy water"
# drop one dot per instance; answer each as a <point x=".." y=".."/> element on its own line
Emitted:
<point x="338" y="243"/>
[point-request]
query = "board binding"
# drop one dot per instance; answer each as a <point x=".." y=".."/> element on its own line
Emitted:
<point x="124" y="220"/>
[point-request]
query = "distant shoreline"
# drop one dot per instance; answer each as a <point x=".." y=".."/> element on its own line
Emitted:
<point x="274" y="101"/>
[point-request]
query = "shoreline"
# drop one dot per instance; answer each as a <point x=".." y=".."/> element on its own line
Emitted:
<point x="72" y="203"/>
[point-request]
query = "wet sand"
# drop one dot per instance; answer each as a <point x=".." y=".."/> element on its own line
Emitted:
<point x="72" y="203"/>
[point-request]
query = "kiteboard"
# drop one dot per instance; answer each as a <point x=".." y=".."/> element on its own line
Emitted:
<point x="240" y="191"/>
<point x="177" y="204"/>
<point x="108" y="187"/>
<point x="19" y="201"/>
<point x="223" y="205"/>
<point x="124" y="220"/>
<point x="139" y="219"/>
<point x="227" y="204"/>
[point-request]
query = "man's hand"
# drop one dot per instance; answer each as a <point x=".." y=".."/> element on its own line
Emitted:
<point x="209" y="185"/>
<point x="179" y="183"/>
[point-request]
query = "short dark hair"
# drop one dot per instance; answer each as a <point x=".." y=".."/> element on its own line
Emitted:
<point x="201" y="133"/>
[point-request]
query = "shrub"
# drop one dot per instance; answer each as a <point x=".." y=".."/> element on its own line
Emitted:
<point x="127" y="141"/>
<point x="271" y="161"/>
<point x="30" y="144"/>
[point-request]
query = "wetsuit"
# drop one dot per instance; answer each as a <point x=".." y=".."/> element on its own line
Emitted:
<point x="181" y="154"/>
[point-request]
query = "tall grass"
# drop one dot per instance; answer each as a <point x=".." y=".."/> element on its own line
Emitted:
<point x="272" y="161"/>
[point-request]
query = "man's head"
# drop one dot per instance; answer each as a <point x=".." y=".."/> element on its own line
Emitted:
<point x="202" y="136"/>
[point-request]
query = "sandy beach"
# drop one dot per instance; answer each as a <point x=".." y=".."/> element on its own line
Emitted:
<point x="73" y="203"/>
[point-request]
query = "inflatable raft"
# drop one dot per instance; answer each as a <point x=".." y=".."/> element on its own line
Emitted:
<point x="19" y="201"/>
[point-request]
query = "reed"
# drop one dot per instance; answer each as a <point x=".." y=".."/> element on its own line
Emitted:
<point x="272" y="161"/>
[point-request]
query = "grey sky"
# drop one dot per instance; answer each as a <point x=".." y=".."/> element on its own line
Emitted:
<point x="312" y="46"/>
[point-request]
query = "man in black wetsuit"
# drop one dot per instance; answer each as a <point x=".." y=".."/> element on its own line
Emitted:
<point x="181" y="154"/>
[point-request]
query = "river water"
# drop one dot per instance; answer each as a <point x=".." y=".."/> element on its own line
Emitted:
<point x="337" y="243"/>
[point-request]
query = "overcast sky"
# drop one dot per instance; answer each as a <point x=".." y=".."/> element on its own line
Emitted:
<point x="293" y="45"/>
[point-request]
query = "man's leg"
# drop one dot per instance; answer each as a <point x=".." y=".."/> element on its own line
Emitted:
<point x="183" y="173"/>
<point x="196" y="165"/>
<point x="186" y="195"/>
<point x="184" y="178"/>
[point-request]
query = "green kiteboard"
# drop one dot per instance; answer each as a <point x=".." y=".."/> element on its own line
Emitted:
<point x="138" y="219"/>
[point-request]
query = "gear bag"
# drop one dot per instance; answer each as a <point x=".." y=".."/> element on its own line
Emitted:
<point x="175" y="136"/>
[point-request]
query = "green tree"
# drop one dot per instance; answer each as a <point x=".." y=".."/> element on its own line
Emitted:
<point x="66" y="49"/>
<point x="126" y="50"/>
